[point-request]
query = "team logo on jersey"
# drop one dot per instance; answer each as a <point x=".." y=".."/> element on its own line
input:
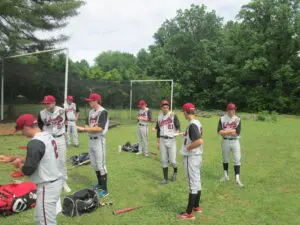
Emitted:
<point x="93" y="120"/>
<point x="143" y="114"/>
<point x="53" y="121"/>
<point x="166" y="121"/>
<point x="232" y="125"/>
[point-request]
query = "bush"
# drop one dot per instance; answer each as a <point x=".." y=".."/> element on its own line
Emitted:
<point x="267" y="116"/>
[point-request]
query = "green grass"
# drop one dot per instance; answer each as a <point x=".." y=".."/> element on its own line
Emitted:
<point x="270" y="172"/>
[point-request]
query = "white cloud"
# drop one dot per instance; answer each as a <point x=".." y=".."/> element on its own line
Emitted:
<point x="129" y="25"/>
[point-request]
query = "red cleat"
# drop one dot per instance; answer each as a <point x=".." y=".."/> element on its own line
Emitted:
<point x="185" y="216"/>
<point x="197" y="209"/>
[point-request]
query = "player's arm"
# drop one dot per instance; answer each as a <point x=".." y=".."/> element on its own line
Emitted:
<point x="176" y="123"/>
<point x="224" y="132"/>
<point x="40" y="122"/>
<point x="157" y="134"/>
<point x="35" y="152"/>
<point x="149" y="115"/>
<point x="238" y="129"/>
<point x="195" y="136"/>
<point x="77" y="112"/>
<point x="101" y="123"/>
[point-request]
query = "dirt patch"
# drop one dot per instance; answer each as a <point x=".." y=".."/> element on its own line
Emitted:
<point x="7" y="128"/>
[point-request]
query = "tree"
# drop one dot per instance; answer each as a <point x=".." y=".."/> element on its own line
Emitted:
<point x="21" y="19"/>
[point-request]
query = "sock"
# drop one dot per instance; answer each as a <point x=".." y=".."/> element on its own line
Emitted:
<point x="237" y="172"/>
<point x="225" y="167"/>
<point x="99" y="178"/>
<point x="197" y="199"/>
<point x="191" y="203"/>
<point x="165" y="172"/>
<point x="175" y="170"/>
<point x="104" y="182"/>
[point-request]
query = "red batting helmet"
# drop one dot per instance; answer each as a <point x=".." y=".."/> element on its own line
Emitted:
<point x="94" y="97"/>
<point x="48" y="99"/>
<point x="70" y="98"/>
<point x="164" y="102"/>
<point x="231" y="106"/>
<point x="142" y="103"/>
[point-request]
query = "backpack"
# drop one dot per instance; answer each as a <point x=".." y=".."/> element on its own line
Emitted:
<point x="75" y="160"/>
<point x="130" y="148"/>
<point x="83" y="201"/>
<point x="15" y="198"/>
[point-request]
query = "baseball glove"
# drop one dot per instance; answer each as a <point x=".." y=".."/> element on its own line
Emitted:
<point x="7" y="158"/>
<point x="17" y="173"/>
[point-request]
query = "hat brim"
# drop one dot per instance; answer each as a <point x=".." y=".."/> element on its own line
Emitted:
<point x="46" y="102"/>
<point x="89" y="100"/>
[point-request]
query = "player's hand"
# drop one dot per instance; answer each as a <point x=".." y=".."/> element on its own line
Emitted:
<point x="153" y="129"/>
<point x="80" y="128"/>
<point x="157" y="144"/>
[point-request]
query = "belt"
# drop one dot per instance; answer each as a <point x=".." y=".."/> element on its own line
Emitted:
<point x="57" y="136"/>
<point x="143" y="125"/>
<point x="166" y="137"/>
<point x="230" y="138"/>
<point x="93" y="138"/>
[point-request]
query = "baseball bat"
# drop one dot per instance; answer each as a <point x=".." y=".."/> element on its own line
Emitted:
<point x="153" y="153"/>
<point x="120" y="211"/>
<point x="22" y="147"/>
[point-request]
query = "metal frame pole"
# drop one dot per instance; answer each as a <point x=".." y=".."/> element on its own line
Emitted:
<point x="172" y="89"/>
<point x="66" y="75"/>
<point x="130" y="99"/>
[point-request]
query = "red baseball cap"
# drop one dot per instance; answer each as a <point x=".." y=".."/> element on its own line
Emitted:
<point x="142" y="103"/>
<point x="94" y="97"/>
<point x="164" y="102"/>
<point x="48" y="99"/>
<point x="70" y="98"/>
<point x="25" y="120"/>
<point x="231" y="106"/>
<point x="188" y="107"/>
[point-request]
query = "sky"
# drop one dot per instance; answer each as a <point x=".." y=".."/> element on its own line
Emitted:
<point x="128" y="25"/>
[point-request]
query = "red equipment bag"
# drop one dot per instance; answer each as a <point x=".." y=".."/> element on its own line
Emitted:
<point x="15" y="198"/>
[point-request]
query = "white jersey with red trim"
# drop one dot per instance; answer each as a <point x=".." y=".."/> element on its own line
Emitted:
<point x="94" y="116"/>
<point x="187" y="140"/>
<point x="230" y="123"/>
<point x="144" y="113"/>
<point x="70" y="111"/>
<point x="48" y="168"/>
<point x="54" y="122"/>
<point x="166" y="124"/>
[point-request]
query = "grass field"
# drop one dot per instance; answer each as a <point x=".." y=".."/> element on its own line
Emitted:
<point x="270" y="172"/>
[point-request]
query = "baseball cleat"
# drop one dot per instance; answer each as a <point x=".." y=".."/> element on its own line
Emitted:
<point x="239" y="183"/>
<point x="146" y="155"/>
<point x="164" y="182"/>
<point x="97" y="187"/>
<point x="174" y="177"/>
<point x="197" y="209"/>
<point x="77" y="146"/>
<point x="225" y="178"/>
<point x="138" y="153"/>
<point x="66" y="188"/>
<point x="185" y="216"/>
<point x="103" y="194"/>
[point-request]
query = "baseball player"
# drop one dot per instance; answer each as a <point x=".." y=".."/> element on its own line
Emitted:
<point x="97" y="128"/>
<point x="167" y="125"/>
<point x="192" y="160"/>
<point x="144" y="117"/>
<point x="229" y="128"/>
<point x="52" y="120"/>
<point x="42" y="167"/>
<point x="72" y="114"/>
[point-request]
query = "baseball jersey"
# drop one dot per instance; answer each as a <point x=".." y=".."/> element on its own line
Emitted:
<point x="230" y="123"/>
<point x="146" y="113"/>
<point x="71" y="110"/>
<point x="52" y="122"/>
<point x="192" y="133"/>
<point x="41" y="163"/>
<point x="98" y="117"/>
<point x="167" y="125"/>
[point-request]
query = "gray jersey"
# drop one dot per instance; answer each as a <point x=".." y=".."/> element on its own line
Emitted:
<point x="70" y="111"/>
<point x="93" y="121"/>
<point x="187" y="140"/>
<point x="230" y="123"/>
<point x="146" y="113"/>
<point x="54" y="123"/>
<point x="166" y="124"/>
<point x="48" y="168"/>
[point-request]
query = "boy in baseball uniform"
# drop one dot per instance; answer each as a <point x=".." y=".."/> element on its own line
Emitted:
<point x="143" y="118"/>
<point x="229" y="128"/>
<point x="72" y="115"/>
<point x="192" y="160"/>
<point x="97" y="126"/>
<point x="166" y="126"/>
<point x="52" y="120"/>
<point x="42" y="167"/>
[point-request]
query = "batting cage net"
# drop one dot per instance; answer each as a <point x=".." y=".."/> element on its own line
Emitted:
<point x="28" y="78"/>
